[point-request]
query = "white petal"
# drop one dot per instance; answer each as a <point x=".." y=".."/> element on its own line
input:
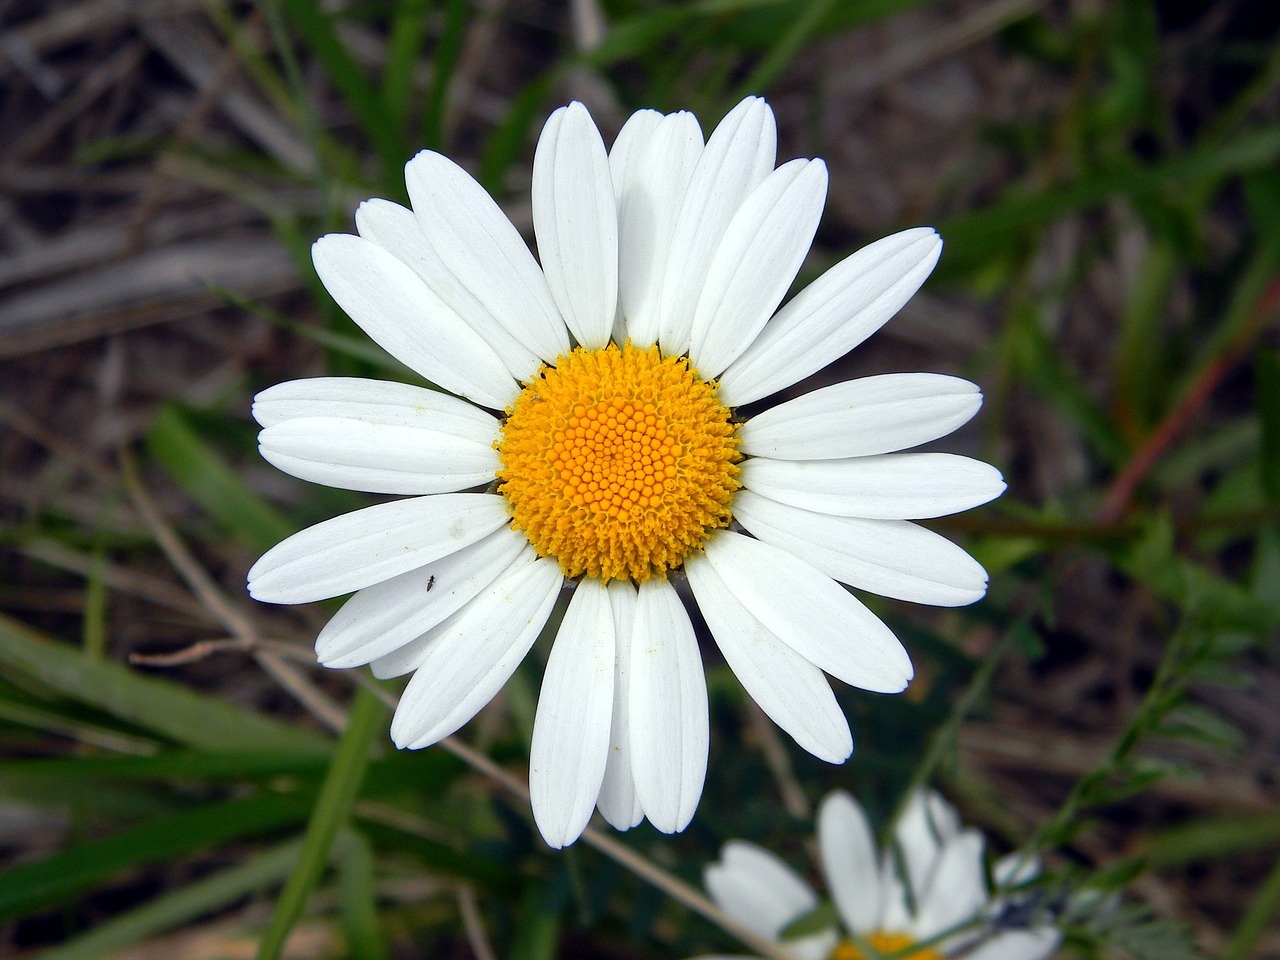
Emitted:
<point x="894" y="558"/>
<point x="474" y="652"/>
<point x="849" y="857"/>
<point x="575" y="219"/>
<point x="757" y="888"/>
<point x="1015" y="869"/>
<point x="956" y="890"/>
<point x="788" y="688"/>
<point x="378" y="458"/>
<point x="618" y="802"/>
<point x="833" y="315"/>
<point x="669" y="726"/>
<point x="395" y="228"/>
<point x="926" y="824"/>
<point x="482" y="249"/>
<point x="371" y="545"/>
<point x="1038" y="943"/>
<point x="860" y="418"/>
<point x="811" y="613"/>
<point x="388" y="615"/>
<point x="894" y="910"/>
<point x="400" y="313"/>
<point x="373" y="401"/>
<point x="570" y="744"/>
<point x="738" y="156"/>
<point x="756" y="262"/>
<point x="895" y="486"/>
<point x="630" y="145"/>
<point x="649" y="203"/>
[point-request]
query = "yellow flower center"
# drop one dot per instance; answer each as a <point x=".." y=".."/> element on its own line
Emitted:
<point x="618" y="462"/>
<point x="886" y="943"/>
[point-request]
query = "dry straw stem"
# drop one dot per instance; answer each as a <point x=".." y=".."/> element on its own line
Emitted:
<point x="235" y="620"/>
<point x="625" y="857"/>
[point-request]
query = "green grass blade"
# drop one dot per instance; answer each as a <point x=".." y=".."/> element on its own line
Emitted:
<point x="181" y="715"/>
<point x="211" y="483"/>
<point x="447" y="53"/>
<point x="404" y="47"/>
<point x="205" y="896"/>
<point x="1257" y="917"/>
<point x="332" y="810"/>
<point x="379" y="126"/>
<point x="34" y="885"/>
<point x="356" y="888"/>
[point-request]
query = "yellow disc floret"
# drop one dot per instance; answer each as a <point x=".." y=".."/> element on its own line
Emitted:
<point x="887" y="944"/>
<point x="618" y="462"/>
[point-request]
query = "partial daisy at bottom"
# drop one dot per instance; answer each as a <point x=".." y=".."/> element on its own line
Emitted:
<point x="589" y="439"/>
<point x="924" y="897"/>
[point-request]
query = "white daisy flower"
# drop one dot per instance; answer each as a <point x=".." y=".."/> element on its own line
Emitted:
<point x="591" y="438"/>
<point x="930" y="890"/>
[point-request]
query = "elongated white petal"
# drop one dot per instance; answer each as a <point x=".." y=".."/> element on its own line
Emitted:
<point x="397" y="310"/>
<point x="833" y="315"/>
<point x="373" y="401"/>
<point x="482" y="249"/>
<point x="957" y="888"/>
<point x="395" y="228"/>
<point x="926" y="825"/>
<point x="473" y="653"/>
<point x="894" y="558"/>
<point x="757" y="888"/>
<point x="388" y="615"/>
<point x="575" y="218"/>
<point x="570" y="744"/>
<point x="669" y="726"/>
<point x="849" y="856"/>
<point x="756" y="262"/>
<point x="650" y="201"/>
<point x="789" y="689"/>
<point x="860" y="418"/>
<point x="810" y="612"/>
<point x="896" y="486"/>
<point x="618" y="802"/>
<point x="1038" y="943"/>
<point x="371" y="545"/>
<point x="628" y="147"/>
<point x="738" y="156"/>
<point x="378" y="458"/>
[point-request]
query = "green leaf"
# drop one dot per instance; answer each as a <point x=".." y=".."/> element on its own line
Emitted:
<point x="205" y="896"/>
<point x="1266" y="375"/>
<point x="332" y="810"/>
<point x="160" y="706"/>
<point x="211" y="483"/>
<point x="34" y="885"/>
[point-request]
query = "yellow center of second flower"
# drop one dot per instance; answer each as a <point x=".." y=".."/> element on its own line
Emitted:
<point x="618" y="462"/>
<point x="885" y="943"/>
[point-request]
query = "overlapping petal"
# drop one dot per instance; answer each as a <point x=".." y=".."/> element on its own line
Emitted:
<point x="668" y="709"/>
<point x="788" y="688"/>
<point x="480" y="247"/>
<point x="738" y="156"/>
<point x="756" y="262"/>
<point x="832" y="315"/>
<point x="398" y="311"/>
<point x="368" y="546"/>
<point x="619" y="803"/>
<point x="571" y="728"/>
<point x="575" y="218"/>
<point x="894" y="558"/>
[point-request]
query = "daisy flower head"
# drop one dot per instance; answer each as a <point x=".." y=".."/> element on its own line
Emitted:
<point x="588" y="436"/>
<point x="928" y="890"/>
